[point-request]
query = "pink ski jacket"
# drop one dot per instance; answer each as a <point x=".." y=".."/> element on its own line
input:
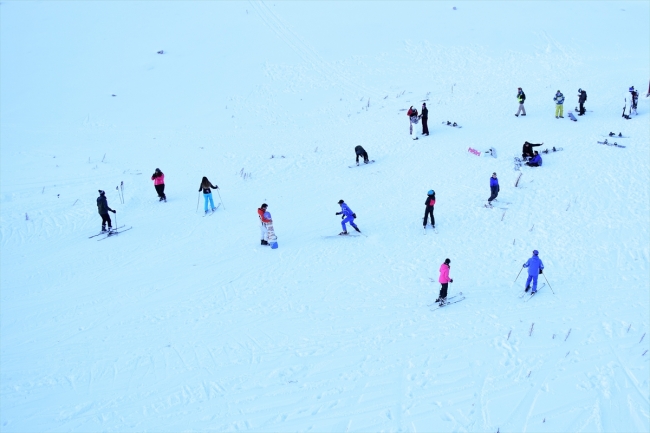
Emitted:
<point x="158" y="180"/>
<point x="444" y="274"/>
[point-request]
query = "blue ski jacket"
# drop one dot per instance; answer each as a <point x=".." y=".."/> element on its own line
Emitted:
<point x="537" y="159"/>
<point x="559" y="98"/>
<point x="534" y="264"/>
<point x="345" y="210"/>
<point x="494" y="181"/>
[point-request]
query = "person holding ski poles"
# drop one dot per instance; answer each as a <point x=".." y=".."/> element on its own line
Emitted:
<point x="360" y="151"/>
<point x="521" y="97"/>
<point x="103" y="209"/>
<point x="159" y="183"/>
<point x="413" y="121"/>
<point x="429" y="203"/>
<point x="494" y="188"/>
<point x="444" y="280"/>
<point x="207" y="193"/>
<point x="264" y="220"/>
<point x="348" y="217"/>
<point x="535" y="267"/>
<point x="559" y="105"/>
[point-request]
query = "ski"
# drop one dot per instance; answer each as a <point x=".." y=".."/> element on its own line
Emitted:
<point x="538" y="289"/>
<point x="610" y="144"/>
<point x="447" y="303"/>
<point x="212" y="212"/>
<point x="104" y="233"/>
<point x="359" y="165"/>
<point x="447" y="299"/>
<point x="114" y="233"/>
<point x="615" y="136"/>
<point x="554" y="149"/>
<point x="452" y="124"/>
<point x="349" y="235"/>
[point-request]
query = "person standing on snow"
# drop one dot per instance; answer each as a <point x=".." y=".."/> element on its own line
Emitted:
<point x="428" y="210"/>
<point x="536" y="161"/>
<point x="207" y="194"/>
<point x="521" y="97"/>
<point x="348" y="217"/>
<point x="159" y="183"/>
<point x="527" y="149"/>
<point x="103" y="209"/>
<point x="425" y="118"/>
<point x="264" y="220"/>
<point x="360" y="151"/>
<point x="413" y="121"/>
<point x="559" y="105"/>
<point x="535" y="267"/>
<point x="494" y="188"/>
<point x="582" y="98"/>
<point x="634" y="99"/>
<point x="444" y="280"/>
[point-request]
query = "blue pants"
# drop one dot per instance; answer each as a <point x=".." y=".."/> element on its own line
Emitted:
<point x="348" y="219"/>
<point x="534" y="278"/>
<point x="207" y="197"/>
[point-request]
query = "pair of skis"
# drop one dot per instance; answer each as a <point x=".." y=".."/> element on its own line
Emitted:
<point x="532" y="294"/>
<point x="615" y="144"/>
<point x="213" y="211"/>
<point x="452" y="124"/>
<point x="110" y="233"/>
<point x="448" y="301"/>
<point x="435" y="230"/>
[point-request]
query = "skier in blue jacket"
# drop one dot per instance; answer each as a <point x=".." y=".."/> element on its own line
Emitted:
<point x="494" y="188"/>
<point x="535" y="267"/>
<point x="348" y="217"/>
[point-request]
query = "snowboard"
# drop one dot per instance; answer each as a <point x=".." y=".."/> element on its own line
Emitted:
<point x="612" y="135"/>
<point x="572" y="117"/>
<point x="452" y="124"/>
<point x="610" y="144"/>
<point x="554" y="149"/>
<point x="491" y="151"/>
<point x="361" y="164"/>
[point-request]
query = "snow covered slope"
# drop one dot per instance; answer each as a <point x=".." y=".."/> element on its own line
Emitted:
<point x="187" y="323"/>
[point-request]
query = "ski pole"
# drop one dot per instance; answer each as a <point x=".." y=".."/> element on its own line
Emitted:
<point x="224" y="206"/>
<point x="197" y="202"/>
<point x="549" y="284"/>
<point x="522" y="268"/>
<point x="115" y="215"/>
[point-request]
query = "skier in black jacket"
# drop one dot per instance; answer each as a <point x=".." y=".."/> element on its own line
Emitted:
<point x="582" y="98"/>
<point x="425" y="117"/>
<point x="103" y="209"/>
<point x="428" y="210"/>
<point x="360" y="151"/>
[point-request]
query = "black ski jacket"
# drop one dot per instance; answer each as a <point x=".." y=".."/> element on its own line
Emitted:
<point x="425" y="113"/>
<point x="102" y="205"/>
<point x="427" y="202"/>
<point x="583" y="97"/>
<point x="527" y="149"/>
<point x="359" y="150"/>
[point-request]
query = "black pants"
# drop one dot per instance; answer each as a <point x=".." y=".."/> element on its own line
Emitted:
<point x="494" y="192"/>
<point x="160" y="189"/>
<point x="106" y="219"/>
<point x="532" y="164"/>
<point x="443" y="290"/>
<point x="428" y="211"/>
<point x="425" y="127"/>
<point x="582" y="108"/>
<point x="365" y="156"/>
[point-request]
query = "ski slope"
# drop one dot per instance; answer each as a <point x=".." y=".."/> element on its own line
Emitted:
<point x="187" y="323"/>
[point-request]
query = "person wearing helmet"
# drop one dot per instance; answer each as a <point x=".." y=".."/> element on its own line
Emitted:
<point x="634" y="99"/>
<point x="494" y="188"/>
<point x="444" y="280"/>
<point x="582" y="98"/>
<point x="103" y="209"/>
<point x="521" y="97"/>
<point x="413" y="121"/>
<point x="348" y="217"/>
<point x="264" y="221"/>
<point x="559" y="105"/>
<point x="360" y="151"/>
<point x="158" y="178"/>
<point x="429" y="203"/>
<point x="535" y="267"/>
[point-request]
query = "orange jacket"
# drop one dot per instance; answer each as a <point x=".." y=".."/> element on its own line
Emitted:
<point x="260" y="213"/>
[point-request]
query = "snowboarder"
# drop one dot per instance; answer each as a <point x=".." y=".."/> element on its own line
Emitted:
<point x="265" y="218"/>
<point x="159" y="183"/>
<point x="413" y="121"/>
<point x="360" y="151"/>
<point x="527" y="149"/>
<point x="425" y="117"/>
<point x="582" y="98"/>
<point x="535" y="267"/>
<point x="207" y="194"/>
<point x="444" y="280"/>
<point x="634" y="99"/>
<point x="103" y="209"/>
<point x="536" y="161"/>
<point x="494" y="188"/>
<point x="428" y="210"/>
<point x="521" y="97"/>
<point x="348" y="217"/>
<point x="559" y="105"/>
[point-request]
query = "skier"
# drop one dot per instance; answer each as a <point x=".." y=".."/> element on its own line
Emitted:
<point x="535" y="267"/>
<point x="634" y="99"/>
<point x="494" y="188"/>
<point x="348" y="217"/>
<point x="264" y="220"/>
<point x="559" y="105"/>
<point x="413" y="121"/>
<point x="582" y="98"/>
<point x="527" y="149"/>
<point x="536" y="161"/>
<point x="444" y="280"/>
<point x="428" y="210"/>
<point x="521" y="97"/>
<point x="360" y="151"/>
<point x="207" y="193"/>
<point x="103" y="209"/>
<point x="425" y="117"/>
<point x="159" y="183"/>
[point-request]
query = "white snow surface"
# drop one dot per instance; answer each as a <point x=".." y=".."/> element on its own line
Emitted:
<point x="187" y="323"/>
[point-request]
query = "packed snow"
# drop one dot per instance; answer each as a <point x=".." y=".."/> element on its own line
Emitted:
<point x="186" y="322"/>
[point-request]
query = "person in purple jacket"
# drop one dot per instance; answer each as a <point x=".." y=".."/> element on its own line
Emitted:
<point x="348" y="217"/>
<point x="535" y="267"/>
<point x="494" y="188"/>
<point x="536" y="161"/>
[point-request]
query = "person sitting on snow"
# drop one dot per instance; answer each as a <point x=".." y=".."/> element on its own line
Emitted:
<point x="536" y="161"/>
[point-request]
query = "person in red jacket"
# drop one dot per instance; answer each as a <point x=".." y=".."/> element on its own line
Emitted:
<point x="413" y="121"/>
<point x="264" y="220"/>
<point x="444" y="280"/>
<point x="159" y="183"/>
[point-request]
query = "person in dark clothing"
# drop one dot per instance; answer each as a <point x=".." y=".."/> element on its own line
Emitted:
<point x="360" y="151"/>
<point x="425" y="117"/>
<point x="428" y="210"/>
<point x="527" y="149"/>
<point x="494" y="188"/>
<point x="103" y="209"/>
<point x="536" y="161"/>
<point x="582" y="98"/>
<point x="634" y="100"/>
<point x="207" y="193"/>
<point x="159" y="183"/>
<point x="521" y="97"/>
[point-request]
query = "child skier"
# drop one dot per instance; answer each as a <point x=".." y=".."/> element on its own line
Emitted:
<point x="103" y="209"/>
<point x="444" y="280"/>
<point x="535" y="267"/>
<point x="360" y="151"/>
<point x="348" y="217"/>
<point x="159" y="183"/>
<point x="264" y="221"/>
<point x="207" y="193"/>
<point x="494" y="188"/>
<point x="413" y="121"/>
<point x="559" y="105"/>
<point x="521" y="97"/>
<point x="429" y="203"/>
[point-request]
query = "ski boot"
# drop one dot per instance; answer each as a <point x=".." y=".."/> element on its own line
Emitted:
<point x="527" y="289"/>
<point x="343" y="234"/>
<point x="357" y="229"/>
<point x="214" y="209"/>
<point x="611" y="134"/>
<point x="103" y="229"/>
<point x="264" y="242"/>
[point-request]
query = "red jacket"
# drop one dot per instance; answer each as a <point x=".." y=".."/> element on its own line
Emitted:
<point x="260" y="213"/>
<point x="412" y="112"/>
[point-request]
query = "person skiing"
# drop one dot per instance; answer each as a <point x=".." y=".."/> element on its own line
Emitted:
<point x="360" y="151"/>
<point x="521" y="97"/>
<point x="536" y="161"/>
<point x="425" y="117"/>
<point x="527" y="149"/>
<point x="207" y="193"/>
<point x="158" y="178"/>
<point x="103" y="209"/>
<point x="559" y="105"/>
<point x="348" y="217"/>
<point x="582" y="98"/>
<point x="494" y="188"/>
<point x="413" y="121"/>
<point x="265" y="218"/>
<point x="634" y="99"/>
<point x="444" y="280"/>
<point x="535" y="267"/>
<point x="429" y="203"/>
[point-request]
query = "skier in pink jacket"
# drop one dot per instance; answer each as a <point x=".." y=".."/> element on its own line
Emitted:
<point x="444" y="280"/>
<point x="159" y="183"/>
